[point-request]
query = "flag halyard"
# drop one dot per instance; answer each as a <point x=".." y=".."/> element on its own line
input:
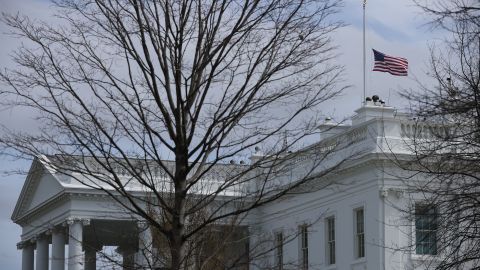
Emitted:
<point x="397" y="66"/>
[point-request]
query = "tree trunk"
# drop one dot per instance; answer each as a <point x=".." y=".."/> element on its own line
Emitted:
<point x="178" y="217"/>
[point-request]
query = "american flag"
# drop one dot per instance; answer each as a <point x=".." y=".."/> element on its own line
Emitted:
<point x="397" y="66"/>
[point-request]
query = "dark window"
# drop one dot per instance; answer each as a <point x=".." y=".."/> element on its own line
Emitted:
<point x="331" y="240"/>
<point x="304" y="246"/>
<point x="426" y="225"/>
<point x="279" y="250"/>
<point x="359" y="233"/>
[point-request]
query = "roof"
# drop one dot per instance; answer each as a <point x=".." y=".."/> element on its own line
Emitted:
<point x="52" y="176"/>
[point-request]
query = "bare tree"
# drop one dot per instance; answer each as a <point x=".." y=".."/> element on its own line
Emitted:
<point x="446" y="141"/>
<point x="121" y="86"/>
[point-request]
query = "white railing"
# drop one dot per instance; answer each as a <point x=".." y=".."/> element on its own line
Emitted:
<point x="419" y="130"/>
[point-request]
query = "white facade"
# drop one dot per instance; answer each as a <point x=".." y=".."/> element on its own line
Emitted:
<point x="54" y="210"/>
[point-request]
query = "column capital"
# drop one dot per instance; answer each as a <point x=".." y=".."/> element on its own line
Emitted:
<point x="57" y="229"/>
<point x="383" y="192"/>
<point x="24" y="244"/>
<point x="72" y="220"/>
<point x="143" y="224"/>
<point x="39" y="236"/>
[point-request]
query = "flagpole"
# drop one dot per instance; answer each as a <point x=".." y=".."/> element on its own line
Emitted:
<point x="364" y="59"/>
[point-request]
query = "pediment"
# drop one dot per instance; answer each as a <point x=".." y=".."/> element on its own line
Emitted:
<point x="40" y="186"/>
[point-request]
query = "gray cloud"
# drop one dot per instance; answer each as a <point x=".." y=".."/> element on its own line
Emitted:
<point x="11" y="185"/>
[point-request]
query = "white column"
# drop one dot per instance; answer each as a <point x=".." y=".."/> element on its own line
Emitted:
<point x="75" y="238"/>
<point x="27" y="256"/>
<point x="58" y="249"/>
<point x="144" y="256"/>
<point x="42" y="253"/>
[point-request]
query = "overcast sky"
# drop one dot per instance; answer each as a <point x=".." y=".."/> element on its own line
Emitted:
<point x="393" y="27"/>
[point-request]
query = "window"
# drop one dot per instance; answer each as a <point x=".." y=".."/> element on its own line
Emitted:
<point x="304" y="247"/>
<point x="330" y="240"/>
<point x="359" y="233"/>
<point x="279" y="250"/>
<point x="425" y="230"/>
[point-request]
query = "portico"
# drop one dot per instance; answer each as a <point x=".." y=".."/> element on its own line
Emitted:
<point x="63" y="214"/>
<point x="65" y="225"/>
<point x="75" y="244"/>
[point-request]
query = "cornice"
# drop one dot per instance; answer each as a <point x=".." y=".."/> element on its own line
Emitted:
<point x="42" y="208"/>
<point x="57" y="200"/>
<point x="314" y="203"/>
<point x="369" y="160"/>
<point x="27" y="189"/>
<point x="26" y="243"/>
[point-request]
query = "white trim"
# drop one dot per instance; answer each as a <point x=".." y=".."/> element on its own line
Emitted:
<point x="276" y="248"/>
<point x="355" y="240"/>
<point x="300" y="244"/>
<point x="327" y="246"/>
<point x="414" y="256"/>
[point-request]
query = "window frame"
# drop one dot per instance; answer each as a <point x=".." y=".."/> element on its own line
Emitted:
<point x="425" y="250"/>
<point x="303" y="246"/>
<point x="359" y="236"/>
<point x="279" y="251"/>
<point x="330" y="241"/>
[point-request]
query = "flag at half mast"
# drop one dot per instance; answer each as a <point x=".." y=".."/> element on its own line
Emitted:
<point x="397" y="66"/>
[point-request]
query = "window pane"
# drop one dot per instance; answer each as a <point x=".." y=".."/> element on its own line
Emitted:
<point x="426" y="230"/>
<point x="359" y="233"/>
<point x="304" y="246"/>
<point x="330" y="240"/>
<point x="279" y="250"/>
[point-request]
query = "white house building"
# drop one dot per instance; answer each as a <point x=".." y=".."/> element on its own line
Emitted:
<point x="355" y="218"/>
